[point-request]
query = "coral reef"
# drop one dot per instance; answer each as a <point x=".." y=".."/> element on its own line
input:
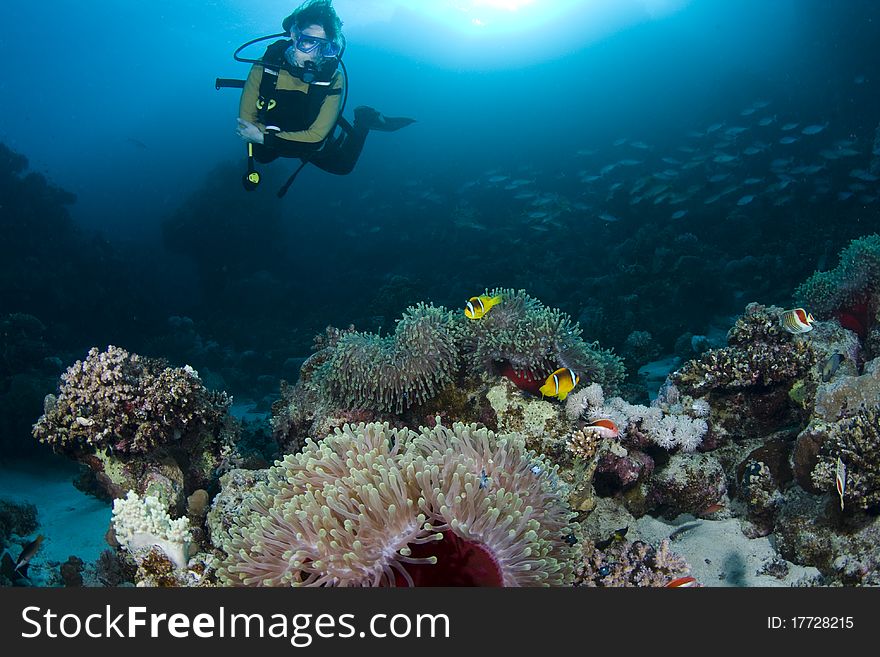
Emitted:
<point x="760" y="353"/>
<point x="132" y="405"/>
<point x="846" y="549"/>
<point x="856" y="442"/>
<point x="370" y="505"/>
<point x="843" y="423"/>
<point x="16" y="518"/>
<point x="639" y="348"/>
<point x="142" y="524"/>
<point x="688" y="483"/>
<point x="628" y="564"/>
<point x="671" y="422"/>
<point x="139" y="424"/>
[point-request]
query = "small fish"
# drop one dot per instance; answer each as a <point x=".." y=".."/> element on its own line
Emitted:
<point x="710" y="510"/>
<point x="478" y="306"/>
<point x="745" y="200"/>
<point x="27" y="554"/>
<point x="813" y="129"/>
<point x="797" y="320"/>
<point x="683" y="529"/>
<point x="790" y="126"/>
<point x="559" y="384"/>
<point x="724" y="158"/>
<point x="840" y="480"/>
<point x="484" y="479"/>
<point x="830" y="366"/>
<point x="610" y="218"/>
<point x="861" y="174"/>
<point x="682" y="582"/>
<point x="618" y="535"/>
<point x="678" y="214"/>
<point x="497" y="179"/>
<point x="605" y="427"/>
<point x="788" y="140"/>
<point x="604" y="571"/>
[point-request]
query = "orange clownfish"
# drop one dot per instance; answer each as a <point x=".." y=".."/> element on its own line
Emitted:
<point x="605" y="427"/>
<point x="478" y="306"/>
<point x="682" y="582"/>
<point x="559" y="384"/>
<point x="797" y="320"/>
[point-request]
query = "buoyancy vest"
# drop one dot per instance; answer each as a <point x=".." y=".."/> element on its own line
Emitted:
<point x="287" y="109"/>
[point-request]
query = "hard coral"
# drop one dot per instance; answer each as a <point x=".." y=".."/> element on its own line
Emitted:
<point x="625" y="564"/>
<point x="759" y="354"/>
<point x="856" y="441"/>
<point x="370" y="506"/>
<point x="133" y="405"/>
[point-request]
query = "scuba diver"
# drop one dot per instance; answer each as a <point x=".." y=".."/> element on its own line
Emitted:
<point x="293" y="98"/>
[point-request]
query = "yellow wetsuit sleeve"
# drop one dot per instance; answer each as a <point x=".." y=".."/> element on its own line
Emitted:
<point x="247" y="107"/>
<point x="320" y="129"/>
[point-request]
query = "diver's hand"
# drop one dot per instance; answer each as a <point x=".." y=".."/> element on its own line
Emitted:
<point x="249" y="132"/>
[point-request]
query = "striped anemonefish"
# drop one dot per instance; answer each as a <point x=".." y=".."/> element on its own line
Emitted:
<point x="478" y="306"/>
<point x="559" y="384"/>
<point x="797" y="320"/>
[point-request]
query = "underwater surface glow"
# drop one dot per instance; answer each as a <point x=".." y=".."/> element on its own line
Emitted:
<point x="495" y="34"/>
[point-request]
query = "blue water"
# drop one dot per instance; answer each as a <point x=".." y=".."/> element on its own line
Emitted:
<point x="642" y="165"/>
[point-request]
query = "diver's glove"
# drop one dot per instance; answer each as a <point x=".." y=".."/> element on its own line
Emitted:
<point x="249" y="132"/>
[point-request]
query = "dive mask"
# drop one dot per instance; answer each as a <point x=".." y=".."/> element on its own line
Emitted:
<point x="324" y="48"/>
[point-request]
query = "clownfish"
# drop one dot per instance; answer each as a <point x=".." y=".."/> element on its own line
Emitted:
<point x="797" y="320"/>
<point x="605" y="427"/>
<point x="478" y="306"/>
<point x="559" y="384"/>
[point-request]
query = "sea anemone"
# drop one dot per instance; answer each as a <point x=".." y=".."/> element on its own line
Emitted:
<point x="366" y="371"/>
<point x="374" y="506"/>
<point x="851" y="291"/>
<point x="533" y="341"/>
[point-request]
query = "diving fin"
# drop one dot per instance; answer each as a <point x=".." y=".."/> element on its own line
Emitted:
<point x="391" y="123"/>
<point x="374" y="120"/>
